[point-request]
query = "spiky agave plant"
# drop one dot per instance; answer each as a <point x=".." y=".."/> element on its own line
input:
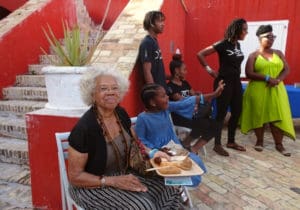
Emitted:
<point x="75" y="49"/>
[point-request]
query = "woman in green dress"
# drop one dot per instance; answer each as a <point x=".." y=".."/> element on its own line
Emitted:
<point x="265" y="100"/>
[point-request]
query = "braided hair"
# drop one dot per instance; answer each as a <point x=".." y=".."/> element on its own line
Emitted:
<point x="235" y="29"/>
<point x="149" y="91"/>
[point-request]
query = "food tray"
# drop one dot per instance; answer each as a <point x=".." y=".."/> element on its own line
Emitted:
<point x="195" y="170"/>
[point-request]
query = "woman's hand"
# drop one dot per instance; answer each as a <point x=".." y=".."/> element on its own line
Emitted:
<point x="126" y="182"/>
<point x="162" y="155"/>
<point x="220" y="88"/>
<point x="273" y="82"/>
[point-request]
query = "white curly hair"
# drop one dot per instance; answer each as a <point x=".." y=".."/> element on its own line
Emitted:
<point x="88" y="81"/>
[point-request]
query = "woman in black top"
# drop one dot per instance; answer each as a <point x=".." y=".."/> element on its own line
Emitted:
<point x="230" y="59"/>
<point x="99" y="151"/>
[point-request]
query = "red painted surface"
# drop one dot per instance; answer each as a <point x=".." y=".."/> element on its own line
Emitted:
<point x="132" y="100"/>
<point x="206" y="22"/>
<point x="174" y="32"/>
<point x="96" y="9"/>
<point x="45" y="183"/>
<point x="12" y="5"/>
<point x="21" y="46"/>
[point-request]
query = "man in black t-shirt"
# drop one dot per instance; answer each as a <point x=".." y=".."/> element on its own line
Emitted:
<point x="150" y="58"/>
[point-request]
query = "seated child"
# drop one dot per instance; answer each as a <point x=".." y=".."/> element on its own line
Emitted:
<point x="179" y="89"/>
<point x="154" y="126"/>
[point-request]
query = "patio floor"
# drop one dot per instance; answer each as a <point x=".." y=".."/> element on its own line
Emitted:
<point x="251" y="179"/>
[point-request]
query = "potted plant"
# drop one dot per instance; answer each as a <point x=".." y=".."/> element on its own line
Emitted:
<point x="73" y="56"/>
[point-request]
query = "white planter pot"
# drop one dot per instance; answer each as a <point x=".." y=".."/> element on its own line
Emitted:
<point x="62" y="84"/>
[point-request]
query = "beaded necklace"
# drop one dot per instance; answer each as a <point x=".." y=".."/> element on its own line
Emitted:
<point x="110" y="140"/>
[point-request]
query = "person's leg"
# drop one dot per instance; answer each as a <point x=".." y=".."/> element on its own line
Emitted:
<point x="181" y="121"/>
<point x="259" y="133"/>
<point x="236" y="108"/>
<point x="278" y="137"/>
<point x="206" y="131"/>
<point x="198" y="145"/>
<point x="222" y="103"/>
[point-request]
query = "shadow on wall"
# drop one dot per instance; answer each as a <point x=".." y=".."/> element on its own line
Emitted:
<point x="4" y="12"/>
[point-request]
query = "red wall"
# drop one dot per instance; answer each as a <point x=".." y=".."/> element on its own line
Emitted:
<point x="21" y="46"/>
<point x="45" y="184"/>
<point x="173" y="33"/>
<point x="207" y="20"/>
<point x="96" y="9"/>
<point x="12" y="5"/>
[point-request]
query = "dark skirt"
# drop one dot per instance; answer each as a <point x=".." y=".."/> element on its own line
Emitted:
<point x="157" y="197"/>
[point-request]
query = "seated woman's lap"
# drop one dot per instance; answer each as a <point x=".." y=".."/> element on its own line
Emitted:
<point x="112" y="198"/>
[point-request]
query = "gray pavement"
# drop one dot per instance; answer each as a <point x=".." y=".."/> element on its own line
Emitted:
<point x="251" y="179"/>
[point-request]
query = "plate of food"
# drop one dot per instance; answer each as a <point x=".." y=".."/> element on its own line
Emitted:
<point x="177" y="166"/>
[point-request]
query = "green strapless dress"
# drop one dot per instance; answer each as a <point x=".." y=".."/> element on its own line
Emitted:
<point x="263" y="104"/>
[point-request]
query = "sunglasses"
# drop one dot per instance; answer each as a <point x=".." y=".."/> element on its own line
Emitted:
<point x="269" y="36"/>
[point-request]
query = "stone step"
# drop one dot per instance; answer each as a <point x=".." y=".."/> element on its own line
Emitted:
<point x="46" y="59"/>
<point x="13" y="127"/>
<point x="15" y="173"/>
<point x="36" y="68"/>
<point x="15" y="196"/>
<point x="28" y="80"/>
<point x="25" y="93"/>
<point x="13" y="151"/>
<point x="19" y="107"/>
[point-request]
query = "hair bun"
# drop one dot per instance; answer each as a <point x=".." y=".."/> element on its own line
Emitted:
<point x="177" y="57"/>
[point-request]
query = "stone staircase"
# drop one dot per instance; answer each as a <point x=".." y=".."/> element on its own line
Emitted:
<point x="26" y="95"/>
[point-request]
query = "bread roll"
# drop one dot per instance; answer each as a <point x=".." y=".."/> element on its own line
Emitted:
<point x="185" y="164"/>
<point x="170" y="170"/>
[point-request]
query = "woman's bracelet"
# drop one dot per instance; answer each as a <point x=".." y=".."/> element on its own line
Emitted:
<point x="102" y="181"/>
<point x="152" y="153"/>
<point x="208" y="69"/>
<point x="267" y="78"/>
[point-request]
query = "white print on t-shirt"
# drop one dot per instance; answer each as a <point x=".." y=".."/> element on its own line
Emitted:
<point x="185" y="93"/>
<point x="237" y="52"/>
<point x="158" y="55"/>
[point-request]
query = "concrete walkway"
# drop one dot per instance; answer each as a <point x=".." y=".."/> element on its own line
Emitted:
<point x="251" y="179"/>
<point x="244" y="180"/>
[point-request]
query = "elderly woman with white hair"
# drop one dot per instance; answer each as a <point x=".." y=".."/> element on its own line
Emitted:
<point x="99" y="147"/>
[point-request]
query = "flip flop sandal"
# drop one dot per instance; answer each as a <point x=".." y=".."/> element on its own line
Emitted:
<point x="236" y="147"/>
<point x="285" y="153"/>
<point x="258" y="148"/>
<point x="281" y="149"/>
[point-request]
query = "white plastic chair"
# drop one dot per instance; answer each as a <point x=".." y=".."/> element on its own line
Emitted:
<point x="62" y="151"/>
